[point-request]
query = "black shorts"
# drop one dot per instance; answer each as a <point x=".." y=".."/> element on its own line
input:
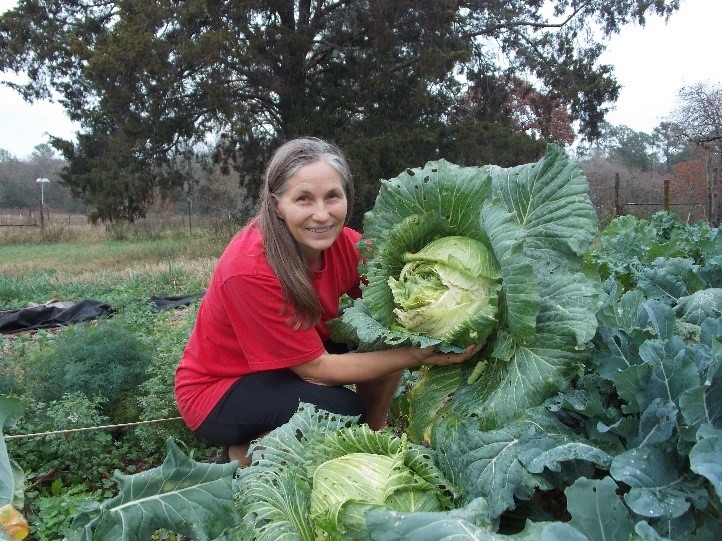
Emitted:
<point x="260" y="402"/>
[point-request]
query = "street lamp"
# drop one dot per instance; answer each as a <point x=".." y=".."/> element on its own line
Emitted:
<point x="42" y="182"/>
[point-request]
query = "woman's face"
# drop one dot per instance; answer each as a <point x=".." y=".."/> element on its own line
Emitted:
<point x="314" y="207"/>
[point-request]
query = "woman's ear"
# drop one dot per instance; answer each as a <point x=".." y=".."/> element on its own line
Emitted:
<point x="274" y="202"/>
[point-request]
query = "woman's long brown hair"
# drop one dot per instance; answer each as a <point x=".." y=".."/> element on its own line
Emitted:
<point x="282" y="252"/>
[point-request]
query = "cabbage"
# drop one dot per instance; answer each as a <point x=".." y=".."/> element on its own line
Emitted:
<point x="535" y="221"/>
<point x="346" y="487"/>
<point x="448" y="290"/>
<point x="317" y="476"/>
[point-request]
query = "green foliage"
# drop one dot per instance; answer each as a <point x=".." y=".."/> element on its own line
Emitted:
<point x="629" y="245"/>
<point x="12" y="477"/>
<point x="57" y="509"/>
<point x="627" y="446"/>
<point x="288" y="477"/>
<point x="536" y="220"/>
<point x="156" y="398"/>
<point x="16" y="289"/>
<point x="181" y="495"/>
<point x="445" y="287"/>
<point x="634" y="442"/>
<point x="105" y="360"/>
<point x="57" y="463"/>
<point x="75" y="457"/>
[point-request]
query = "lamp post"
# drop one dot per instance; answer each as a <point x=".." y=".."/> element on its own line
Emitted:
<point x="42" y="182"/>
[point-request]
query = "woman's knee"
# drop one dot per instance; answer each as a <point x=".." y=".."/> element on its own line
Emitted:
<point x="340" y="400"/>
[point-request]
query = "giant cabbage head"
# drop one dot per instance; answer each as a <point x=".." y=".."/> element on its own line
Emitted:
<point x="524" y="292"/>
<point x="345" y="488"/>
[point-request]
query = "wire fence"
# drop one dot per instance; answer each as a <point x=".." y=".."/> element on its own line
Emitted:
<point x="88" y="429"/>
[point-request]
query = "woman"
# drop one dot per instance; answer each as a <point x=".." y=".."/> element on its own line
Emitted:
<point x="260" y="344"/>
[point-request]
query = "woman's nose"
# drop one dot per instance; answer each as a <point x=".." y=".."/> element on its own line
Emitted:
<point x="320" y="212"/>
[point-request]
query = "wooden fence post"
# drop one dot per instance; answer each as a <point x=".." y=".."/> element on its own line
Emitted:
<point x="617" y="210"/>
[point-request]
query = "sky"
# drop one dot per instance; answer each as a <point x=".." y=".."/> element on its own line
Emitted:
<point x="651" y="63"/>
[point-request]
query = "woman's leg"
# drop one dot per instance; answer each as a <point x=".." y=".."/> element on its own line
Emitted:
<point x="240" y="452"/>
<point x="258" y="403"/>
<point x="377" y="396"/>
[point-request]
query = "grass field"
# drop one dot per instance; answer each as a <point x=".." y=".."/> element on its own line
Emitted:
<point x="81" y="259"/>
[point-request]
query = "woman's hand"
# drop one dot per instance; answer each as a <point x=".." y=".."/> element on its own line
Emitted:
<point x="429" y="355"/>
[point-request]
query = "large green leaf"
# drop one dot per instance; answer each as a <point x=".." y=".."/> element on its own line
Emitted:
<point x="519" y="283"/>
<point x="658" y="484"/>
<point x="470" y="523"/>
<point x="181" y="495"/>
<point x="455" y="193"/>
<point x="703" y="304"/>
<point x="10" y="474"/>
<point x="510" y="463"/>
<point x="551" y="201"/>
<point x="597" y="511"/>
<point x="706" y="456"/>
<point x="703" y="404"/>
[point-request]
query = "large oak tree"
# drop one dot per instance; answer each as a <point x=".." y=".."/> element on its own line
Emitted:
<point x="383" y="78"/>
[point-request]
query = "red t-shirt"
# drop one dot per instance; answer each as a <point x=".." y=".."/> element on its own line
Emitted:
<point x="241" y="326"/>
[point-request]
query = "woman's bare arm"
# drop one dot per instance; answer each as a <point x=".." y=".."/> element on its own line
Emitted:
<point x="348" y="368"/>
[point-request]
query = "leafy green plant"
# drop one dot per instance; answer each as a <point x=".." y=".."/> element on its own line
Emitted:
<point x="535" y="221"/>
<point x="181" y="495"/>
<point x="315" y="478"/>
<point x="628" y="245"/>
<point x="167" y="336"/>
<point x="448" y="290"/>
<point x="12" y="478"/>
<point x="105" y="360"/>
<point x="57" y="509"/>
<point x="76" y="457"/>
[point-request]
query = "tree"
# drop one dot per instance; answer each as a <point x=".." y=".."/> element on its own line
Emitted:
<point x="631" y="148"/>
<point x="699" y="116"/>
<point x="379" y="77"/>
<point x="18" y="186"/>
<point x="539" y="114"/>
<point x="670" y="143"/>
<point x="101" y="172"/>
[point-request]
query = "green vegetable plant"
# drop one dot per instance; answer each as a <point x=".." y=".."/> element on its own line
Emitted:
<point x="530" y="226"/>
<point x="448" y="290"/>
<point x="318" y="475"/>
<point x="13" y="524"/>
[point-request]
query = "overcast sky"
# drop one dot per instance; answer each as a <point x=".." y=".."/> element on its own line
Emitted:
<point x="651" y="64"/>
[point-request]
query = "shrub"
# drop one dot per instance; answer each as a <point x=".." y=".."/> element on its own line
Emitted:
<point x="105" y="360"/>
